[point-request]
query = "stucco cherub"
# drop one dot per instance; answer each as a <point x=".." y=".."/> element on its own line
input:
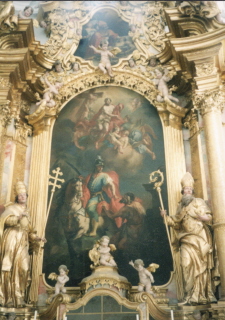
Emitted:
<point x="100" y="254"/>
<point x="49" y="93"/>
<point x="106" y="54"/>
<point x="162" y="77"/>
<point x="62" y="278"/>
<point x="145" y="275"/>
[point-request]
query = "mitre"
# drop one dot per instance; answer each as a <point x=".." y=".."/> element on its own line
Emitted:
<point x="187" y="181"/>
<point x="20" y="188"/>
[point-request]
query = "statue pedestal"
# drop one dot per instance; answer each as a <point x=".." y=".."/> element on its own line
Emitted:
<point x="106" y="277"/>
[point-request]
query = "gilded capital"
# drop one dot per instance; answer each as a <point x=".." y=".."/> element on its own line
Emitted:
<point x="22" y="132"/>
<point x="209" y="101"/>
<point x="205" y="69"/>
<point x="5" y="113"/>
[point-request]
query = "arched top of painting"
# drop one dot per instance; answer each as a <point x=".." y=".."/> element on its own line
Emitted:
<point x="93" y="92"/>
<point x="121" y="97"/>
<point x="105" y="27"/>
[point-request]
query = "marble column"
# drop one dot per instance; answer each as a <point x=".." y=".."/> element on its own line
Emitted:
<point x="210" y="106"/>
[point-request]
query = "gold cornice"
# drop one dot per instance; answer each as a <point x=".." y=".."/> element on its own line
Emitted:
<point x="198" y="42"/>
<point x="195" y="20"/>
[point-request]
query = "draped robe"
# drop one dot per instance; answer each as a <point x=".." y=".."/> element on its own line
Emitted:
<point x="195" y="245"/>
<point x="16" y="235"/>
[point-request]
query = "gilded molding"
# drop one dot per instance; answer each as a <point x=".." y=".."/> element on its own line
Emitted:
<point x="11" y="41"/>
<point x="84" y="286"/>
<point x="154" y="310"/>
<point x="106" y="292"/>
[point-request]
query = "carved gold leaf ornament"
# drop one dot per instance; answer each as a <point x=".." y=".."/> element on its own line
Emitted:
<point x="6" y="115"/>
<point x="8" y="21"/>
<point x="206" y="69"/>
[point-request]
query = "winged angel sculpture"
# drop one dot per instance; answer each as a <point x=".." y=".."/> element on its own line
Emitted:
<point x="145" y="275"/>
<point x="100" y="254"/>
<point x="105" y="64"/>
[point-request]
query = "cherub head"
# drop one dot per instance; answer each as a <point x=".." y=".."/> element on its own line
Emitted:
<point x="139" y="264"/>
<point x="104" y="45"/>
<point x="159" y="73"/>
<point x="131" y="63"/>
<point x="63" y="270"/>
<point x="104" y="241"/>
<point x="107" y="101"/>
<point x="75" y="67"/>
<point x="153" y="62"/>
<point x="58" y="67"/>
<point x="28" y="11"/>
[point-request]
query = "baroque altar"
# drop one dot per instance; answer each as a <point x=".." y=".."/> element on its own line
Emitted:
<point x="112" y="160"/>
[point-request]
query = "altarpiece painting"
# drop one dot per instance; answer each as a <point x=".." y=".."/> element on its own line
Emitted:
<point x="131" y="149"/>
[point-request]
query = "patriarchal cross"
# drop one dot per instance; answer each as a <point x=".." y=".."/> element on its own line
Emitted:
<point x="54" y="185"/>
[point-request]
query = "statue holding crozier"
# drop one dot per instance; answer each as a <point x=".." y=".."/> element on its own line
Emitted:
<point x="190" y="224"/>
<point x="17" y="239"/>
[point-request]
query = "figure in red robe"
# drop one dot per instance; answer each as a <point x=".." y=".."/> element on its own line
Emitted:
<point x="101" y="191"/>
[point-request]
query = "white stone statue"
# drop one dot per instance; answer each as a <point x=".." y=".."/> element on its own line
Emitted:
<point x="162" y="77"/>
<point x="194" y="242"/>
<point x="105" y="64"/>
<point x="18" y="239"/>
<point x="49" y="94"/>
<point x="100" y="254"/>
<point x="62" y="278"/>
<point x="145" y="275"/>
